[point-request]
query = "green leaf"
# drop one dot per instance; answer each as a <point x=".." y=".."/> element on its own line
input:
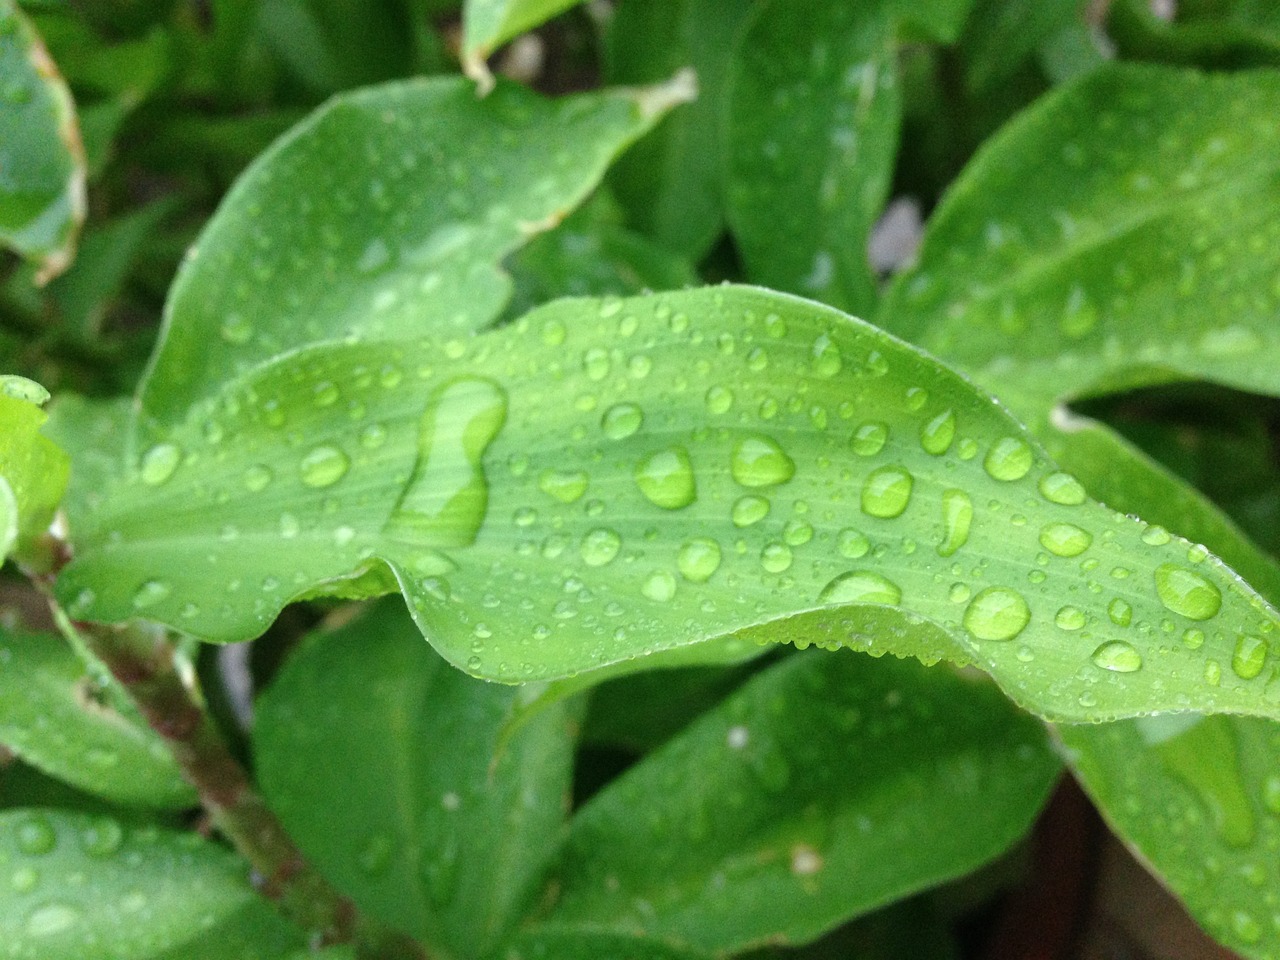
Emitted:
<point x="384" y="215"/>
<point x="647" y="474"/>
<point x="90" y="888"/>
<point x="55" y="716"/>
<point x="488" y="24"/>
<point x="42" y="190"/>
<point x="814" y="112"/>
<point x="1146" y="254"/>
<point x="33" y="470"/>
<point x="382" y="762"/>
<point x="95" y="430"/>
<point x="1001" y="35"/>
<point x="670" y="182"/>
<point x="1235" y="34"/>
<point x="825" y="787"/>
<point x="1198" y="798"/>
<point x="590" y="945"/>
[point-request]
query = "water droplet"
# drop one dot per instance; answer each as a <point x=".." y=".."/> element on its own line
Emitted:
<point x="666" y="478"/>
<point x="775" y="557"/>
<point x="886" y="492"/>
<point x="1065" y="539"/>
<point x="758" y="461"/>
<point x="1246" y="927"/>
<point x="257" y="478"/>
<point x="236" y="329"/>
<point x="861" y="586"/>
<point x="51" y="919"/>
<point x="325" y="394"/>
<point x="1155" y="536"/>
<point x="870" y="438"/>
<point x="1187" y="593"/>
<point x="596" y="363"/>
<point x="102" y="838"/>
<point x="826" y="359"/>
<point x="24" y="880"/>
<point x="659" y="586"/>
<point x="1117" y="656"/>
<point x="936" y="435"/>
<point x="621" y="421"/>
<point x="719" y="400"/>
<point x="959" y="593"/>
<point x="150" y="593"/>
<point x="997" y="613"/>
<point x="447" y="498"/>
<point x="699" y="559"/>
<point x="600" y="546"/>
<point x="957" y="516"/>
<point x="1271" y="793"/>
<point x="805" y="861"/>
<point x="797" y="533"/>
<point x="159" y="463"/>
<point x="289" y="526"/>
<point x="1080" y="315"/>
<point x="852" y="544"/>
<point x="750" y="509"/>
<point x="36" y="836"/>
<point x="553" y="333"/>
<point x="1193" y="638"/>
<point x="1120" y="612"/>
<point x="1062" y="488"/>
<point x="323" y="467"/>
<point x="566" y="486"/>
<point x="1249" y="657"/>
<point x="1009" y="459"/>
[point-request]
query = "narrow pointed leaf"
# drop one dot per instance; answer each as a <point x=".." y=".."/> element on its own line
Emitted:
<point x="90" y="888"/>
<point x="383" y="215"/>
<point x="825" y="787"/>
<point x="814" y="111"/>
<point x="645" y="474"/>
<point x="450" y="839"/>
<point x="33" y="470"/>
<point x="488" y="24"/>
<point x="53" y="715"/>
<point x="42" y="170"/>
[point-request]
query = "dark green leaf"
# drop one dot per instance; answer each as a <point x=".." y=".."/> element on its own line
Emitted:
<point x="590" y="945"/>
<point x="1247" y="36"/>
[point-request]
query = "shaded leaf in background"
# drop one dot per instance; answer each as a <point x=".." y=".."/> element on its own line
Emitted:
<point x="825" y="787"/>
<point x="488" y="24"/>
<point x="644" y="474"/>
<point x="1001" y="35"/>
<point x="450" y="839"/>
<point x="42" y="174"/>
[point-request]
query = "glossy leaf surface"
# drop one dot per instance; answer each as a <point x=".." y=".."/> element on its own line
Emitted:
<point x="33" y="470"/>
<point x="90" y="888"/>
<point x="450" y="838"/>
<point x="42" y="184"/>
<point x="649" y="473"/>
<point x="54" y="716"/>
<point x="826" y="786"/>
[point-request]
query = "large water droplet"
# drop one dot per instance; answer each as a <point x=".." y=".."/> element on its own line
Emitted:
<point x="1065" y="539"/>
<point x="957" y="517"/>
<point x="150" y="593"/>
<point x="997" y="613"/>
<point x="870" y="438"/>
<point x="861" y="586"/>
<point x="566" y="486"/>
<point x="1249" y="657"/>
<point x="323" y="467"/>
<point x="600" y="546"/>
<point x="699" y="559"/>
<point x="159" y="463"/>
<point x="1187" y="593"/>
<point x="447" y="497"/>
<point x="1062" y="488"/>
<point x="621" y="421"/>
<point x="1118" y="657"/>
<point x="758" y="461"/>
<point x="666" y="478"/>
<point x="1009" y="459"/>
<point x="936" y="435"/>
<point x="886" y="492"/>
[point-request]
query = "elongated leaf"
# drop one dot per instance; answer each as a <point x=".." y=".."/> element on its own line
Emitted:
<point x="382" y="216"/>
<point x="649" y="473"/>
<point x="488" y="24"/>
<point x="1147" y="252"/>
<point x="1199" y="798"/>
<point x="52" y="716"/>
<point x="42" y="173"/>
<point x="827" y="786"/>
<point x="814" y="112"/>
<point x="381" y="760"/>
<point x="89" y="888"/>
<point x="33" y="470"/>
<point x="96" y="431"/>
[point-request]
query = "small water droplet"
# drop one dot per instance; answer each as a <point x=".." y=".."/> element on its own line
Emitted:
<point x="257" y="478"/>
<point x="159" y="463"/>
<point x="24" y="880"/>
<point x="659" y="586"/>
<point x="236" y="329"/>
<point x="595" y="362"/>
<point x="936" y="434"/>
<point x="1080" y="315"/>
<point x="1009" y="459"/>
<point x="376" y="854"/>
<point x="861" y="586"/>
<point x="1065" y="539"/>
<point x="666" y="478"/>
<point x="1155" y="536"/>
<point x="826" y="359"/>
<point x="1271" y="793"/>
<point x="1120" y="612"/>
<point x="1118" y="657"/>
<point x="758" y="461"/>
<point x="957" y="517"/>
<point x="775" y="557"/>
<point x="1185" y="593"/>
<point x="600" y="546"/>
<point x="797" y="533"/>
<point x="870" y="438"/>
<point x="323" y="466"/>
<point x="1063" y="489"/>
<point x="1246" y="927"/>
<point x="289" y="526"/>
<point x="102" y="838"/>
<point x="1249" y="657"/>
<point x="621" y="421"/>
<point x="886" y="492"/>
<point x="997" y="613"/>
<point x="51" y="919"/>
<point x="959" y="593"/>
<point x="805" y="861"/>
<point x="699" y="559"/>
<point x="150" y="593"/>
<point x="325" y="394"/>
<point x="719" y="400"/>
<point x="750" y="509"/>
<point x="553" y="333"/>
<point x="36" y="836"/>
<point x="567" y="486"/>
<point x="852" y="544"/>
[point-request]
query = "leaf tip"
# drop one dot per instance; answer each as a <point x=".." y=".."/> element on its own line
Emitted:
<point x="657" y="100"/>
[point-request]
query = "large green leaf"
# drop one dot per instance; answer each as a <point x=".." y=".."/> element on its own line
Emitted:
<point x="645" y="474"/>
<point x="33" y="470"/>
<point x="825" y="787"/>
<point x="86" y="887"/>
<point x="382" y="216"/>
<point x="52" y="715"/>
<point x="382" y="762"/>
<point x="813" y="114"/>
<point x="488" y="24"/>
<point x="1199" y="799"/>
<point x="42" y="174"/>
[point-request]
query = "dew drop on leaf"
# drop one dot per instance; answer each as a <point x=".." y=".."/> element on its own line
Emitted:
<point x="1062" y="488"/>
<point x="852" y="544"/>
<point x="870" y="438"/>
<point x="997" y="613"/>
<point x="749" y="509"/>
<point x="758" y="461"/>
<point x="51" y="919"/>
<point x="621" y="421"/>
<point x="861" y="586"/>
<point x="257" y="478"/>
<point x="775" y="557"/>
<point x="1009" y="459"/>
<point x="957" y="517"/>
<point x="36" y="836"/>
<point x="150" y="593"/>
<point x="595" y="363"/>
<point x="1065" y="539"/>
<point x="936" y="434"/>
<point x="159" y="463"/>
<point x="826" y="359"/>
<point x="102" y="838"/>
<point x="1249" y="657"/>
<point x="1118" y="657"/>
<point x="886" y="492"/>
<point x="699" y="559"/>
<point x="1120" y="612"/>
<point x="797" y="533"/>
<point x="567" y="486"/>
<point x="659" y="586"/>
<point x="600" y="546"/>
<point x="666" y="478"/>
<point x="323" y="466"/>
<point x="1155" y="536"/>
<point x="719" y="400"/>
<point x="1186" y="593"/>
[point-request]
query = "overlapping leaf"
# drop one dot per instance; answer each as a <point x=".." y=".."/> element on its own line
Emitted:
<point x="488" y="24"/>
<point x="33" y="470"/>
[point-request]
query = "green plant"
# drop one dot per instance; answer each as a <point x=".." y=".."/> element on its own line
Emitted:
<point x="414" y="354"/>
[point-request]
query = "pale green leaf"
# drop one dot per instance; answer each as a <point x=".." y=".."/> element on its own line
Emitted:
<point x="32" y="467"/>
<point x="55" y="716"/>
<point x="42" y="172"/>
<point x="825" y="787"/>
<point x="382" y="761"/>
